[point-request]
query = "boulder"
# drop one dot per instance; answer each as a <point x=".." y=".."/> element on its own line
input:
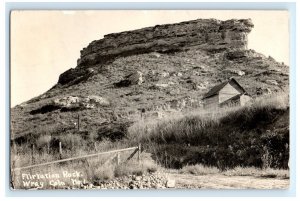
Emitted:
<point x="96" y="100"/>
<point x="171" y="183"/>
<point x="80" y="102"/>
<point x="135" y="78"/>
<point x="273" y="82"/>
<point x="67" y="101"/>
<point x="263" y="91"/>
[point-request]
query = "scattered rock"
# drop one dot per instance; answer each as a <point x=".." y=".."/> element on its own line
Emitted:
<point x="67" y="101"/>
<point x="263" y="91"/>
<point x="238" y="72"/>
<point x="170" y="183"/>
<point x="273" y="82"/>
<point x="161" y="85"/>
<point x="155" y="54"/>
<point x="165" y="74"/>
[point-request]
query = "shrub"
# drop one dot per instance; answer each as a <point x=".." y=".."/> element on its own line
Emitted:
<point x="43" y="141"/>
<point x="135" y="168"/>
<point x="199" y="169"/>
<point x="103" y="173"/>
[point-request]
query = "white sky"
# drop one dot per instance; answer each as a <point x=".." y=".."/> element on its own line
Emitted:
<point x="44" y="44"/>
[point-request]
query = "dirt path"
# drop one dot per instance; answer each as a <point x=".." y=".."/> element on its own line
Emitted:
<point x="219" y="181"/>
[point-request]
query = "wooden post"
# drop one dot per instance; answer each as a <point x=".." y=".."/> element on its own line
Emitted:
<point x="95" y="146"/>
<point x="48" y="148"/>
<point x="166" y="159"/>
<point x="32" y="154"/>
<point x="60" y="150"/>
<point x="139" y="153"/>
<point x="78" y="121"/>
<point x="118" y="158"/>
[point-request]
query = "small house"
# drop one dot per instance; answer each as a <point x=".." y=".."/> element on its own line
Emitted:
<point x="229" y="93"/>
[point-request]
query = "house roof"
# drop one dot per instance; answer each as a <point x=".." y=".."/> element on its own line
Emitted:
<point x="216" y="89"/>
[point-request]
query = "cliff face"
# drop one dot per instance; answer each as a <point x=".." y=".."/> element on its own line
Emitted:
<point x="207" y="34"/>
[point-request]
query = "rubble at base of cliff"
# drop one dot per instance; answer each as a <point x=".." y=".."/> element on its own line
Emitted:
<point x="148" y="181"/>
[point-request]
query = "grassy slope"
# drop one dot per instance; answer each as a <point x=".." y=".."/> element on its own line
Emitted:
<point x="196" y="67"/>
<point x="253" y="135"/>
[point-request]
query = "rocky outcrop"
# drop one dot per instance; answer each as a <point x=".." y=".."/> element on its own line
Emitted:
<point x="209" y="34"/>
<point x="75" y="75"/>
<point x="86" y="102"/>
<point x="135" y="78"/>
<point x="72" y="103"/>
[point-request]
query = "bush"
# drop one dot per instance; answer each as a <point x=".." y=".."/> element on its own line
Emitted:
<point x="135" y="168"/>
<point x="103" y="173"/>
<point x="199" y="169"/>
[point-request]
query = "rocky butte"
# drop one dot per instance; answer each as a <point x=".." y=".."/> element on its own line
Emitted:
<point x="155" y="70"/>
<point x="208" y="34"/>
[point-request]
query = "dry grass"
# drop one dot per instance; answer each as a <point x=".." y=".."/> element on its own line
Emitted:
<point x="257" y="172"/>
<point x="233" y="136"/>
<point x="182" y="127"/>
<point x="199" y="169"/>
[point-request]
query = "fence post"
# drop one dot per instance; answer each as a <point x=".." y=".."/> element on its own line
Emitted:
<point x="118" y="158"/>
<point x="166" y="159"/>
<point x="78" y="122"/>
<point x="139" y="153"/>
<point x="32" y="153"/>
<point x="95" y="146"/>
<point x="60" y="150"/>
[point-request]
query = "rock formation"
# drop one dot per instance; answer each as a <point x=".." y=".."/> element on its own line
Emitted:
<point x="161" y="70"/>
<point x="208" y="34"/>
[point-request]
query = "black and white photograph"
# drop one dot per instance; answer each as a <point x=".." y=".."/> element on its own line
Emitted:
<point x="149" y="99"/>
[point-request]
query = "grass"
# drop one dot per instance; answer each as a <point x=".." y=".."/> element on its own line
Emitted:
<point x="257" y="172"/>
<point x="224" y="138"/>
<point x="187" y="127"/>
<point x="200" y="169"/>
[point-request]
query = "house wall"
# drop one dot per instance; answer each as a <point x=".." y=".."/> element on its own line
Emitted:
<point x="227" y="92"/>
<point x="244" y="99"/>
<point x="211" y="102"/>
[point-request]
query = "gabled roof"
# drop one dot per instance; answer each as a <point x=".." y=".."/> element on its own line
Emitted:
<point x="216" y="89"/>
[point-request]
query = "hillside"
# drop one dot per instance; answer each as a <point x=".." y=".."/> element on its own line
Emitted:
<point x="159" y="70"/>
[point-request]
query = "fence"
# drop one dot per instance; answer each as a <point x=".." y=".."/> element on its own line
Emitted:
<point x="135" y="150"/>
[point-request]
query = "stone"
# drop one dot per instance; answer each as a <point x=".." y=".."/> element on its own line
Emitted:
<point x="161" y="85"/>
<point x="155" y="55"/>
<point x="273" y="82"/>
<point x="66" y="101"/>
<point x="97" y="100"/>
<point x="135" y="78"/>
<point x="87" y="102"/>
<point x="165" y="74"/>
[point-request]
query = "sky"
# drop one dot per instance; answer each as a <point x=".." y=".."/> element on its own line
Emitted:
<point x="44" y="44"/>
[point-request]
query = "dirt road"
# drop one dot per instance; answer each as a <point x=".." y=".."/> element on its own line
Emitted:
<point x="219" y="181"/>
